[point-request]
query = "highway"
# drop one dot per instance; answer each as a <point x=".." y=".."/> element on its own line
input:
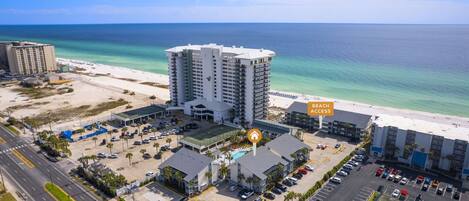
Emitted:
<point x="31" y="170"/>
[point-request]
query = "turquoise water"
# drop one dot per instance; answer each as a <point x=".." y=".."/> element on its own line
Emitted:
<point x="238" y="154"/>
<point x="419" y="67"/>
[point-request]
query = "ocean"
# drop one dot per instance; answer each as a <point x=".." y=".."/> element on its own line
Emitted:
<point x="418" y="67"/>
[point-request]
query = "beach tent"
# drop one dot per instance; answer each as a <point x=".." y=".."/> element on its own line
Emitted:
<point x="67" y="134"/>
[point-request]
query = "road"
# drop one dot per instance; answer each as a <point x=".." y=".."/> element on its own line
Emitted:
<point x="31" y="172"/>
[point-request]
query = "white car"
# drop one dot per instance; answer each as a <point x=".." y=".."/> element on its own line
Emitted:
<point x="397" y="178"/>
<point x="354" y="163"/>
<point x="404" y="181"/>
<point x="396" y="193"/>
<point x="113" y="156"/>
<point x="309" y="167"/>
<point x="342" y="173"/>
<point x="391" y="177"/>
<point x="336" y="180"/>
<point x="292" y="179"/>
<point x="149" y="174"/>
<point x="348" y="166"/>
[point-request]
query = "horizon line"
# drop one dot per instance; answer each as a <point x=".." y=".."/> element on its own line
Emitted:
<point x="143" y="23"/>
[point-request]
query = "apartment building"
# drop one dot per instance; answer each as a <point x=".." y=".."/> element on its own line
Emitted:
<point x="422" y="144"/>
<point x="344" y="123"/>
<point x="223" y="84"/>
<point x="27" y="58"/>
<point x="272" y="162"/>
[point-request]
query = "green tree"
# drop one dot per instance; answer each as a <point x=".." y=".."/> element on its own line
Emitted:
<point x="109" y="146"/>
<point x="168" y="140"/>
<point x="129" y="156"/>
<point x="156" y="145"/>
<point x="209" y="175"/>
<point x="95" y="139"/>
<point x="224" y="170"/>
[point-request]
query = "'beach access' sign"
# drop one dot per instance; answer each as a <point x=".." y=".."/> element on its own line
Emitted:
<point x="322" y="108"/>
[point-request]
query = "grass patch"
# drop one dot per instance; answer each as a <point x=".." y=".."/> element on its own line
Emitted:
<point x="7" y="197"/>
<point x="26" y="106"/>
<point x="66" y="113"/>
<point x="57" y="192"/>
<point x="36" y="93"/>
<point x="154" y="84"/>
<point x="13" y="129"/>
<point x="104" y="107"/>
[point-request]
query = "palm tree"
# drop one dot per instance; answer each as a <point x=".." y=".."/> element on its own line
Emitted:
<point x="249" y="180"/>
<point x="178" y="177"/>
<point x="110" y="135"/>
<point x="141" y="136"/>
<point x="156" y="145"/>
<point x="241" y="177"/>
<point x="129" y="156"/>
<point x="153" y="130"/>
<point x="109" y="146"/>
<point x="143" y="151"/>
<point x="167" y="173"/>
<point x="84" y="161"/>
<point x="168" y="140"/>
<point x="124" y="129"/>
<point x="209" y="175"/>
<point x="209" y="154"/>
<point x="126" y="138"/>
<point x="95" y="139"/>
<point x="224" y="170"/>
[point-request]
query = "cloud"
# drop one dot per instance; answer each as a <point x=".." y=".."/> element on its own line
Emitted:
<point x="327" y="11"/>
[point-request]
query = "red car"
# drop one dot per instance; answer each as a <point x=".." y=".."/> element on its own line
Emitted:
<point x="303" y="171"/>
<point x="420" y="179"/>
<point x="379" y="171"/>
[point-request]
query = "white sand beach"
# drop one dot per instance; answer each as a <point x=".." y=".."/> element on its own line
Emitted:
<point x="277" y="98"/>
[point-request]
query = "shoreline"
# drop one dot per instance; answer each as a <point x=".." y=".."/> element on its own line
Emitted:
<point x="277" y="98"/>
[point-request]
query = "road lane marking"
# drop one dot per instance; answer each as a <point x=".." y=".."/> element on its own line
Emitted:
<point x="24" y="159"/>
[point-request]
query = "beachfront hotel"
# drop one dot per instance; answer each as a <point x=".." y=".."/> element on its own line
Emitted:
<point x="222" y="84"/>
<point x="422" y="144"/>
<point x="27" y="58"/>
<point x="343" y="123"/>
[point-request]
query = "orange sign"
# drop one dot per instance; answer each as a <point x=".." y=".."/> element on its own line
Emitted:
<point x="254" y="135"/>
<point x="323" y="108"/>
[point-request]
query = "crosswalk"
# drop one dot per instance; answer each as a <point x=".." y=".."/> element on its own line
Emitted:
<point x="10" y="149"/>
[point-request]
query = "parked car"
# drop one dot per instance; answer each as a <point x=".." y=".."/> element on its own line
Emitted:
<point x="149" y="174"/>
<point x="287" y="182"/>
<point x="281" y="187"/>
<point x="115" y="139"/>
<point x="113" y="156"/>
<point x="379" y="171"/>
<point x="342" y="173"/>
<point x="390" y="177"/>
<point x="277" y="191"/>
<point x="404" y="181"/>
<point x="439" y="191"/>
<point x="309" y="167"/>
<point x="137" y="142"/>
<point x="233" y="188"/>
<point x="269" y="195"/>
<point x="456" y="195"/>
<point x="348" y="166"/>
<point x="427" y="180"/>
<point x="245" y="193"/>
<point x="449" y="188"/>
<point x="397" y="178"/>
<point x="303" y="171"/>
<point x="435" y="183"/>
<point x="424" y="187"/>
<point x="420" y="179"/>
<point x="293" y="180"/>
<point x="101" y="155"/>
<point x="337" y="146"/>
<point x="380" y="188"/>
<point x="353" y="163"/>
<point x="384" y="175"/>
<point x="146" y="156"/>
<point x="336" y="180"/>
<point x="297" y="175"/>
<point x="153" y="138"/>
<point x="146" y="141"/>
<point x="396" y="193"/>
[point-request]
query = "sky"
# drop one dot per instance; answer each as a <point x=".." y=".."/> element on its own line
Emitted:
<point x="188" y="11"/>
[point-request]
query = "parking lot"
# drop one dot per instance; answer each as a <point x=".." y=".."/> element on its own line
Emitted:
<point x="361" y="182"/>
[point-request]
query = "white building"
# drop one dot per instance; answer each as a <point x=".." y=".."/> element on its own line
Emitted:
<point x="220" y="83"/>
<point x="422" y="144"/>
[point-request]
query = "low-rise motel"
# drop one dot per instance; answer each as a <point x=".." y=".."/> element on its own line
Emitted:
<point x="343" y="123"/>
<point x="422" y="144"/>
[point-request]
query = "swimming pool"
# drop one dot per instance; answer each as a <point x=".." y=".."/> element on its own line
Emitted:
<point x="238" y="154"/>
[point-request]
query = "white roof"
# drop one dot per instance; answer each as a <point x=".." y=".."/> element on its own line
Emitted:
<point x="449" y="131"/>
<point x="240" y="52"/>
